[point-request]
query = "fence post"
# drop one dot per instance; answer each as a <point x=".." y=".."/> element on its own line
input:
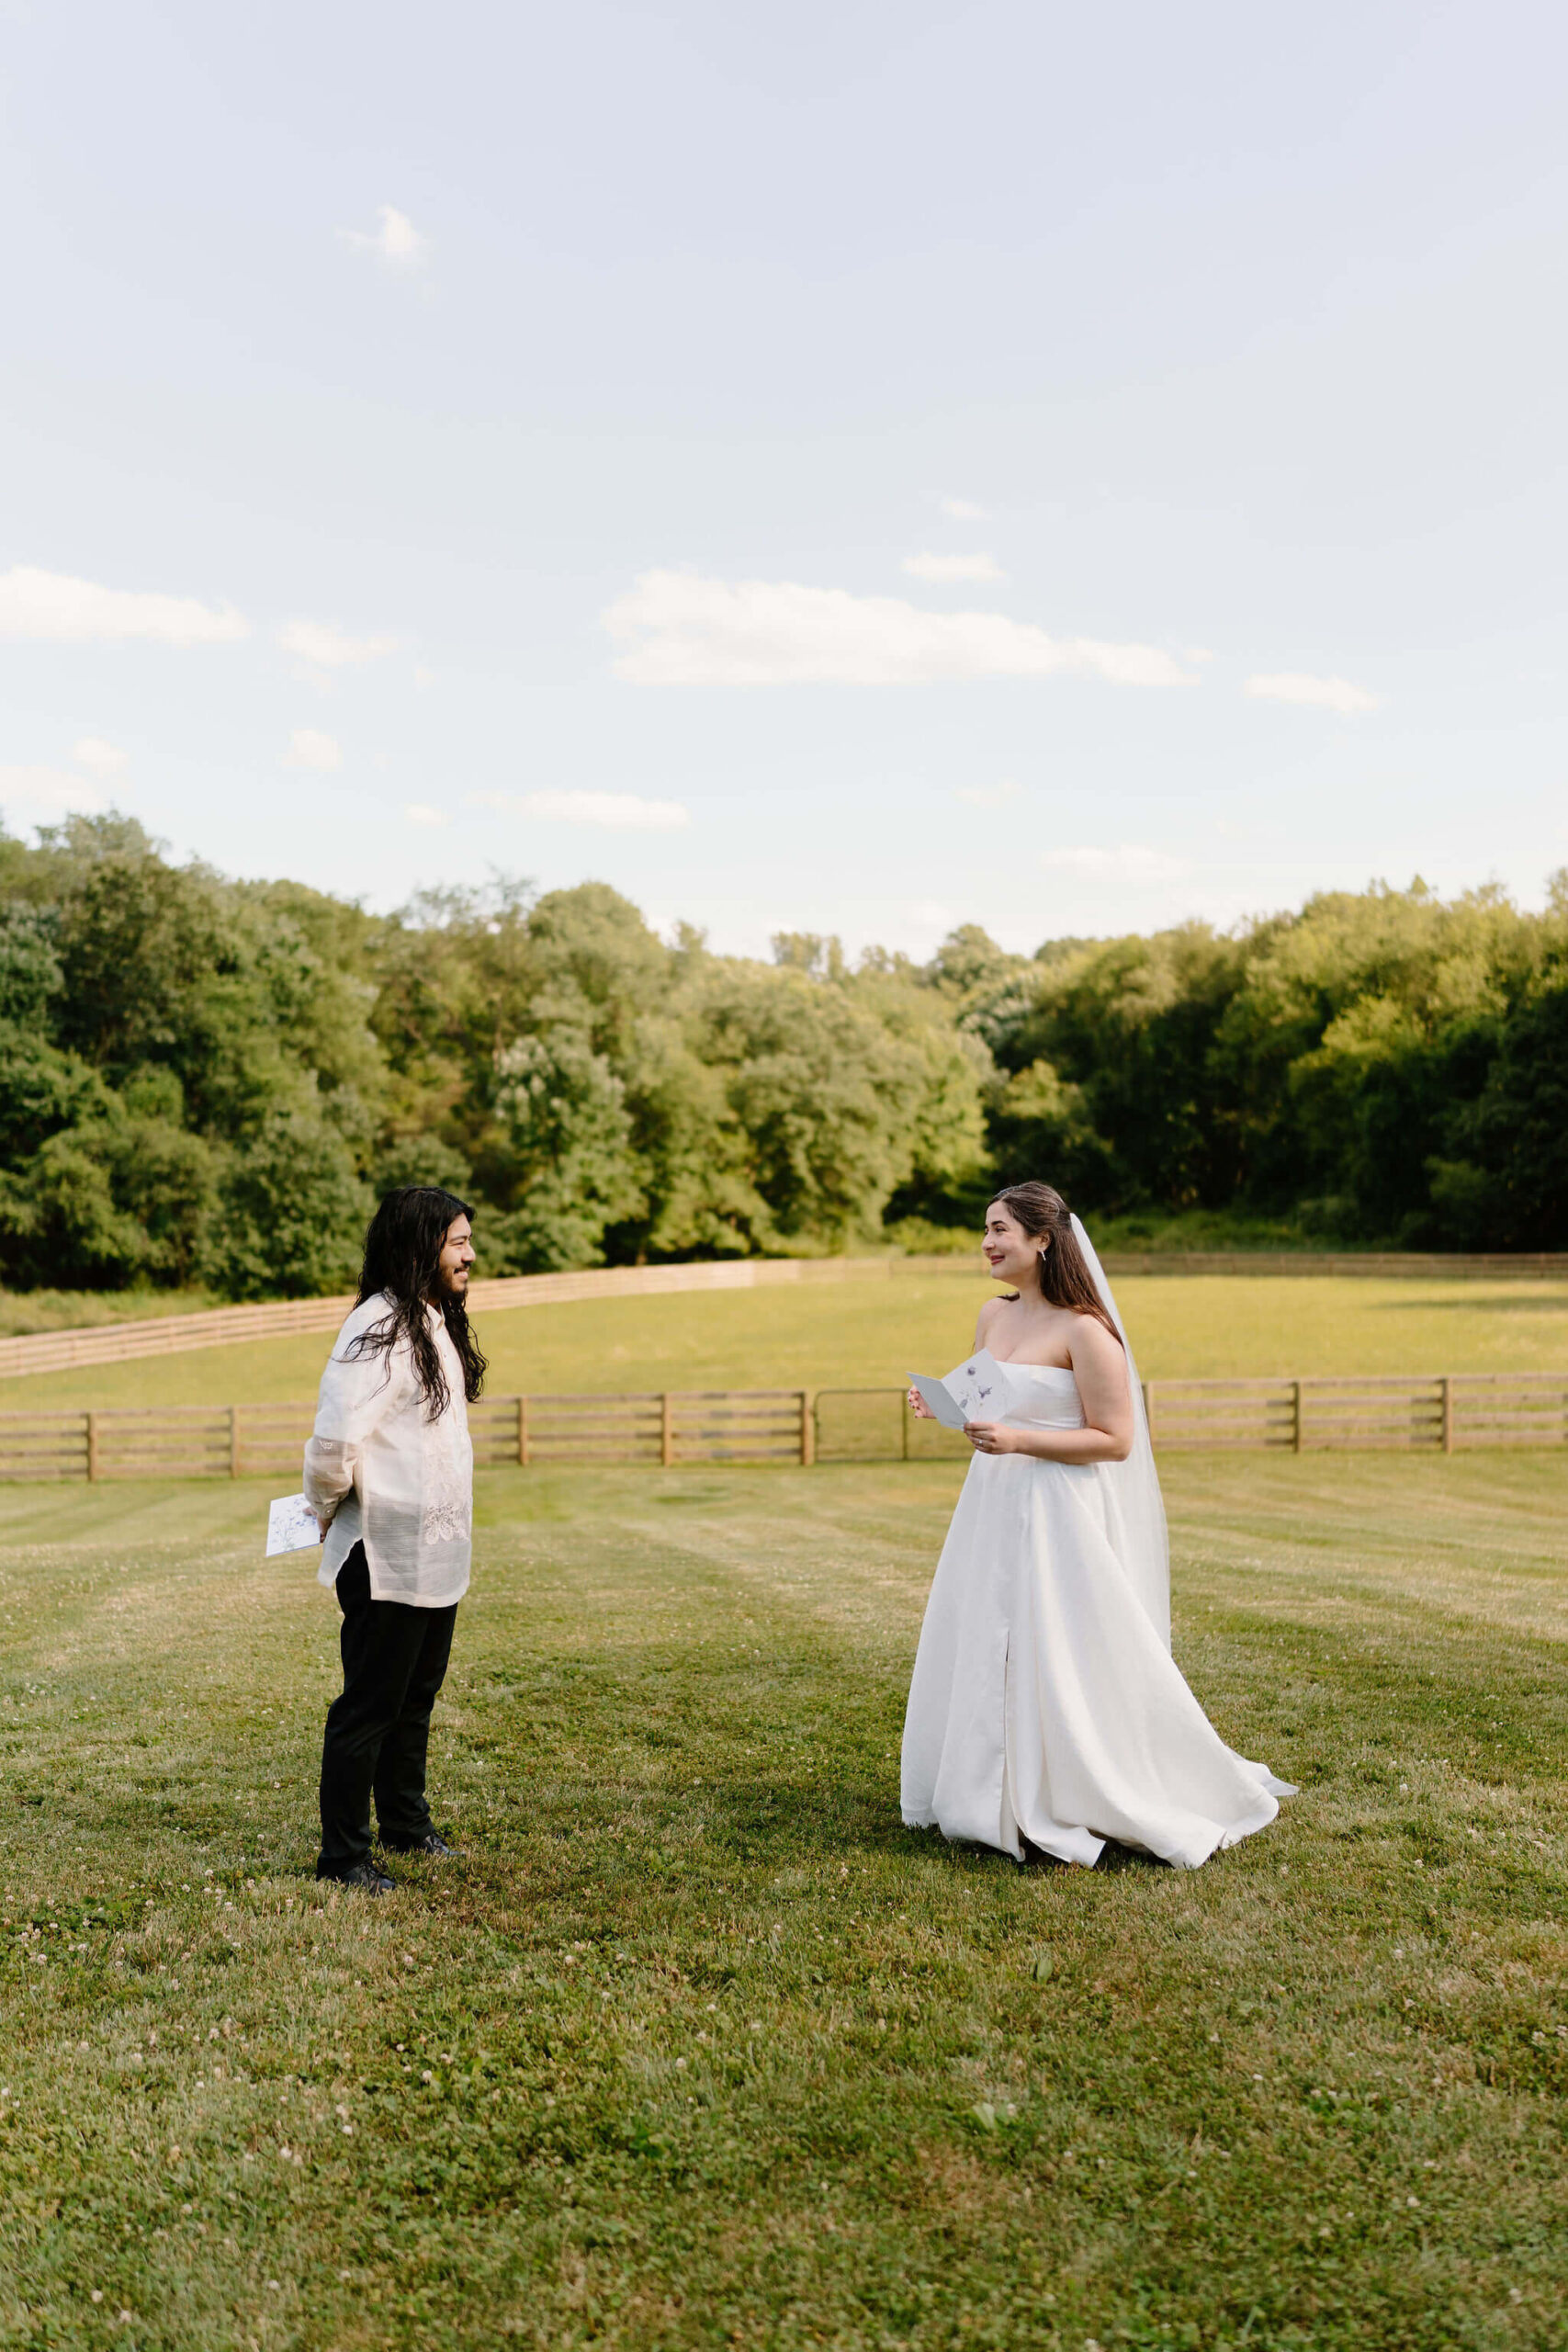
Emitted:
<point x="1148" y="1388"/>
<point x="1295" y="1417"/>
<point x="91" y="1446"/>
<point x="233" y="1440"/>
<point x="1446" y="1391"/>
<point x="522" y="1433"/>
<point x="666" y="1430"/>
<point x="904" y="1418"/>
<point x="808" y="1430"/>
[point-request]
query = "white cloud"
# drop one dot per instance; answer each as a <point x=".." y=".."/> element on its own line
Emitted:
<point x="621" y="811"/>
<point x="53" y="791"/>
<point x="103" y="759"/>
<point x="1326" y="693"/>
<point x="309" y="747"/>
<point x="419" y="812"/>
<point x="929" y="914"/>
<point x="952" y="567"/>
<point x="964" y="510"/>
<point x="989" y="795"/>
<point x="327" y="647"/>
<point x="1129" y="862"/>
<point x="395" y="242"/>
<point x="53" y="607"/>
<point x="676" y="629"/>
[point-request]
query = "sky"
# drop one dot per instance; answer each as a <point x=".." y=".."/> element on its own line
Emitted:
<point x="855" y="468"/>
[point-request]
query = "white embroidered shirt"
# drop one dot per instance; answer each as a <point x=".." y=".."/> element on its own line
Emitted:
<point x="391" y="1477"/>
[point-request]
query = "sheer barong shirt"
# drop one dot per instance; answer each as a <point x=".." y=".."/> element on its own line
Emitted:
<point x="388" y="1476"/>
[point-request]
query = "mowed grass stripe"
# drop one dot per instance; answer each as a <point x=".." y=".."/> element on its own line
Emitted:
<point x="717" y="2051"/>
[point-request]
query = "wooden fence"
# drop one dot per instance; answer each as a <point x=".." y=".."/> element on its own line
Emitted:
<point x="162" y="1335"/>
<point x="267" y="1441"/>
<point x="1446" y="1413"/>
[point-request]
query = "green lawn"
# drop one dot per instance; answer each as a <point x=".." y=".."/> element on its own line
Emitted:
<point x="698" y="2046"/>
<point x="25" y="1311"/>
<point x="872" y="1331"/>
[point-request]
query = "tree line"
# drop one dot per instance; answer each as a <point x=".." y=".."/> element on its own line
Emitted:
<point x="209" y="1081"/>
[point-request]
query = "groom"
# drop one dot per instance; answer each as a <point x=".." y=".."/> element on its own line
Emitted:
<point x="390" y="1473"/>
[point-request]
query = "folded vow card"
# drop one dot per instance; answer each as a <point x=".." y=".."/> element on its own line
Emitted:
<point x="291" y="1524"/>
<point x="978" y="1390"/>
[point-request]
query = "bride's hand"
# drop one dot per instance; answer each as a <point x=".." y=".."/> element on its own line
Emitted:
<point x="918" y="1406"/>
<point x="989" y="1437"/>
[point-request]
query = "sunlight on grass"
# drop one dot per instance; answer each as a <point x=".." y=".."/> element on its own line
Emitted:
<point x="873" y="1331"/>
<point x="697" y="2046"/>
<point x="26" y="1311"/>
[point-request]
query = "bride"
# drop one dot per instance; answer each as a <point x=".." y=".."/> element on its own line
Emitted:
<point x="1045" y="1710"/>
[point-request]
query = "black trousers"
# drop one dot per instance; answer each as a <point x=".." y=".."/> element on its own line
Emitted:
<point x="394" y="1662"/>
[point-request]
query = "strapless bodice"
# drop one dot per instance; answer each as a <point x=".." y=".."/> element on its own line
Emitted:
<point x="1054" y="1405"/>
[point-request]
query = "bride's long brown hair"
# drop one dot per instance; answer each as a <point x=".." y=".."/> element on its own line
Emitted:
<point x="1064" y="1279"/>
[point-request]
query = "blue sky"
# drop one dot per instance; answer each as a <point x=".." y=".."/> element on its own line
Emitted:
<point x="853" y="469"/>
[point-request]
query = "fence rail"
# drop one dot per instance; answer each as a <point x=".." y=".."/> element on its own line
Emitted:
<point x="282" y="1318"/>
<point x="1446" y="1413"/>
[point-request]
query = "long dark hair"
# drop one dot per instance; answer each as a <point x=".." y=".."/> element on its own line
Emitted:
<point x="1064" y="1279"/>
<point x="402" y="1258"/>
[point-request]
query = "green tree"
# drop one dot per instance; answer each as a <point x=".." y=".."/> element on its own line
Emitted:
<point x="125" y="1196"/>
<point x="1040" y="1125"/>
<point x="200" y="1077"/>
<point x="823" y="1096"/>
<point x="293" y="1212"/>
<point x="1131" y="1023"/>
<point x="570" y="1167"/>
<point x="1509" y="1189"/>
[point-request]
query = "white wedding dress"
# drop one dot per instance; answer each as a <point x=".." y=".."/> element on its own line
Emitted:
<point x="1045" y="1704"/>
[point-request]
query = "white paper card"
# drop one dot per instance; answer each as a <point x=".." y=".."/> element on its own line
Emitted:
<point x="976" y="1390"/>
<point x="291" y="1524"/>
<point x="938" y="1403"/>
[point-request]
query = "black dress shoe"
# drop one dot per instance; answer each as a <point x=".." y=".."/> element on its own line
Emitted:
<point x="363" y="1875"/>
<point x="432" y="1842"/>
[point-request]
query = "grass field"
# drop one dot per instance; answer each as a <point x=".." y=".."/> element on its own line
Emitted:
<point x="698" y="2046"/>
<point x="871" y="1332"/>
<point x="24" y="1311"/>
